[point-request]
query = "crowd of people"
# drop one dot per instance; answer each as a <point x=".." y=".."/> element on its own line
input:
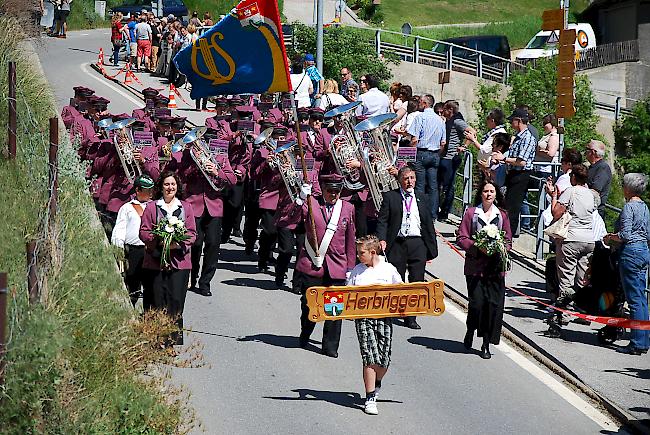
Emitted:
<point x="240" y="176"/>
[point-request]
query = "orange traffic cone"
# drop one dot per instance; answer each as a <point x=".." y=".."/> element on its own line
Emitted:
<point x="127" y="75"/>
<point x="172" y="97"/>
<point x="100" y="58"/>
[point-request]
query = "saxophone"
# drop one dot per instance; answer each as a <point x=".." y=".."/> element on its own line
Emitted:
<point x="378" y="155"/>
<point x="345" y="146"/>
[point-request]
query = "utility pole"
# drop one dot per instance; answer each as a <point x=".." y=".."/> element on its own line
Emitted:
<point x="319" y="37"/>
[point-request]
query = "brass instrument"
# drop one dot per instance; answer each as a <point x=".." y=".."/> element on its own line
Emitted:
<point x="285" y="160"/>
<point x="200" y="153"/>
<point x="346" y="145"/>
<point x="378" y="155"/>
<point x="103" y="125"/>
<point x="264" y="138"/>
<point x="125" y="148"/>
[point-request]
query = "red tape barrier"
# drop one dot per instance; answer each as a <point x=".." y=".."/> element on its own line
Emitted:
<point x="178" y="94"/>
<point x="609" y="321"/>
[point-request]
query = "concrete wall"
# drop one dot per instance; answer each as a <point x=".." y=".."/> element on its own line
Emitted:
<point x="638" y="76"/>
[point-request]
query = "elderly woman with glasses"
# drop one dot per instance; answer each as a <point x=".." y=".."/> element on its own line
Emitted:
<point x="633" y="235"/>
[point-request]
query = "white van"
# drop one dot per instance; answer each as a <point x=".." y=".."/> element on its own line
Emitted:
<point x="545" y="43"/>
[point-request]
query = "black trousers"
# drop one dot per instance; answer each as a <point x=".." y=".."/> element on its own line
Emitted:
<point x="517" y="187"/>
<point x="253" y="214"/>
<point x="360" y="218"/>
<point x="408" y="254"/>
<point x="208" y="233"/>
<point x="268" y="236"/>
<point x="133" y="276"/>
<point x="331" y="328"/>
<point x="169" y="291"/>
<point x="286" y="242"/>
<point x="232" y="208"/>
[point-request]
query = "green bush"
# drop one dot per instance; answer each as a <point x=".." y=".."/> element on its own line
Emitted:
<point x="632" y="136"/>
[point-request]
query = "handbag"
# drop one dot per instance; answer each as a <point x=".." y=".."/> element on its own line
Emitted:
<point x="559" y="229"/>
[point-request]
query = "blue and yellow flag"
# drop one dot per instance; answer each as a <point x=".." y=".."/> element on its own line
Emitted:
<point x="242" y="53"/>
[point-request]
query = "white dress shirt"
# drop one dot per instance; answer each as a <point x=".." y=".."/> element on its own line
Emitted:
<point x="373" y="102"/>
<point x="127" y="225"/>
<point x="411" y="226"/>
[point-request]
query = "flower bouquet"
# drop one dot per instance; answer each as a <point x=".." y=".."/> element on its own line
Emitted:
<point x="492" y="241"/>
<point x="169" y="230"/>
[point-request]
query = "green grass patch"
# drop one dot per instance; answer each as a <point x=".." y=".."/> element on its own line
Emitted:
<point x="78" y="362"/>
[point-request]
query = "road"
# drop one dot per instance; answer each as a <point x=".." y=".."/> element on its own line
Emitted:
<point x="258" y="381"/>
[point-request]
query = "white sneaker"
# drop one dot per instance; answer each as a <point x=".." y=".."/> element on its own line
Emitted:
<point x="371" y="406"/>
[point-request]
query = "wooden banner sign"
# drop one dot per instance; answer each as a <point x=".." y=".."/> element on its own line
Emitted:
<point x="553" y="19"/>
<point x="376" y="301"/>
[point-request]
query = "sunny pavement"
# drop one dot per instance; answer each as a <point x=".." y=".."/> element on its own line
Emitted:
<point x="257" y="380"/>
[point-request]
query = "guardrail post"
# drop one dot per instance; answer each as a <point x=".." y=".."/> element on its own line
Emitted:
<point x="54" y="167"/>
<point x="378" y="42"/>
<point x="11" y="129"/>
<point x="32" y="274"/>
<point x="416" y="50"/>
<point x="617" y="109"/>
<point x="506" y="72"/>
<point x="467" y="179"/>
<point x="479" y="66"/>
<point x="450" y="57"/>
<point x="3" y="324"/>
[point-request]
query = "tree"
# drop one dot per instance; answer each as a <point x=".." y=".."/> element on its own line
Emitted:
<point x="632" y="136"/>
<point x="343" y="47"/>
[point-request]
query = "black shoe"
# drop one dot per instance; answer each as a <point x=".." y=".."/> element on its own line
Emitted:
<point x="412" y="324"/>
<point x="469" y="338"/>
<point x="237" y="233"/>
<point x="262" y="267"/>
<point x="279" y="283"/>
<point x="303" y="341"/>
<point x="330" y="353"/>
<point x="205" y="292"/>
<point x="554" y="331"/>
<point x="485" y="353"/>
<point x="632" y="350"/>
<point x="248" y="251"/>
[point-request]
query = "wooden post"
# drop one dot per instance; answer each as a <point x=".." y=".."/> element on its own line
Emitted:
<point x="11" y="129"/>
<point x="54" y="167"/>
<point x="3" y="324"/>
<point x="32" y="277"/>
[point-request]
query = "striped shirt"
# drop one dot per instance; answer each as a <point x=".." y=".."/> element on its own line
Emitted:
<point x="523" y="147"/>
<point x="429" y="129"/>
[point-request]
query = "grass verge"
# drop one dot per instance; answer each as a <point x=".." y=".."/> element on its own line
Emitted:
<point x="78" y="362"/>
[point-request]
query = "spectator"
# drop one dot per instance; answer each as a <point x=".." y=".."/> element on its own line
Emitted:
<point x="143" y="36"/>
<point x="117" y="36"/>
<point x="400" y="106"/>
<point x="330" y="97"/>
<point x="156" y="37"/>
<point x="317" y="80"/>
<point x="573" y="252"/>
<point x="373" y="102"/>
<point x="195" y="21"/>
<point x="520" y="165"/>
<point x="494" y="170"/>
<point x="349" y="88"/>
<point x="54" y="30"/>
<point x="133" y="45"/>
<point x="207" y="20"/>
<point x="570" y="157"/>
<point x="452" y="156"/>
<point x="633" y="233"/>
<point x="402" y="126"/>
<point x="531" y="118"/>
<point x="495" y="123"/>
<point x="600" y="174"/>
<point x="428" y="136"/>
<point x="301" y="85"/>
<point x="363" y="86"/>
<point x="62" y="25"/>
<point x="438" y="109"/>
<point x="548" y="146"/>
<point x="395" y="102"/>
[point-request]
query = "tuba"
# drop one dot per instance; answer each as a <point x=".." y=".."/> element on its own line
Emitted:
<point x="378" y="155"/>
<point x="346" y="145"/>
<point x="200" y="153"/>
<point x="125" y="148"/>
<point x="285" y="161"/>
<point x="265" y="139"/>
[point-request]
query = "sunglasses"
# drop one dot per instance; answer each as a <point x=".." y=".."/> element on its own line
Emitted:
<point x="333" y="190"/>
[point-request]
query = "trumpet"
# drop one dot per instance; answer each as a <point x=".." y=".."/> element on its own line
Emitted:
<point x="378" y="156"/>
<point x="125" y="148"/>
<point x="200" y="153"/>
<point x="345" y="146"/>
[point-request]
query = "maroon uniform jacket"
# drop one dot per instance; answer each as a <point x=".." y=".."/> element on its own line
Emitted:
<point x="269" y="180"/>
<point x="122" y="189"/>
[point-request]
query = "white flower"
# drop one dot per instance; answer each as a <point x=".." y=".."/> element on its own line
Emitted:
<point x="169" y="228"/>
<point x="180" y="224"/>
<point x="173" y="220"/>
<point x="492" y="231"/>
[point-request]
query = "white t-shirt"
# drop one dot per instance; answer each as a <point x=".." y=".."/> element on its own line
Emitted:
<point x="374" y="102"/>
<point x="301" y="83"/>
<point x="382" y="273"/>
<point x="331" y="100"/>
<point x="142" y="31"/>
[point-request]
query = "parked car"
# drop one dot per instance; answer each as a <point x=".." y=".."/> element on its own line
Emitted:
<point x="496" y="45"/>
<point x="175" y="7"/>
<point x="545" y="42"/>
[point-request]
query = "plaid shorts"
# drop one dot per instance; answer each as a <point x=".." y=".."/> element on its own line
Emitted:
<point x="375" y="340"/>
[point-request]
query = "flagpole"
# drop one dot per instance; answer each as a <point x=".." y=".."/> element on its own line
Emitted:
<point x="314" y="237"/>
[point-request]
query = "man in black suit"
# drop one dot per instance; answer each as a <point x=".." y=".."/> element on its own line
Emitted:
<point x="405" y="230"/>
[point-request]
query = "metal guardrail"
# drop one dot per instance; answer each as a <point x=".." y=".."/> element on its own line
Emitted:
<point x="467" y="180"/>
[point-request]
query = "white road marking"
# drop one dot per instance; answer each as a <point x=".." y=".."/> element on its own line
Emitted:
<point x="558" y="387"/>
<point x="93" y="74"/>
<point x="84" y="34"/>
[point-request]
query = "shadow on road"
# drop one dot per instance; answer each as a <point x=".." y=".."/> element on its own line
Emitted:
<point x="449" y="346"/>
<point x="252" y="283"/>
<point x="286" y="341"/>
<point x="347" y="400"/>
<point x="635" y="373"/>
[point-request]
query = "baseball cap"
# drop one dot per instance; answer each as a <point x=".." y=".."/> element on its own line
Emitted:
<point x="309" y="57"/>
<point x="519" y="113"/>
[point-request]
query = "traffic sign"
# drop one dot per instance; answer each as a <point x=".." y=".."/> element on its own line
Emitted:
<point x="553" y="19"/>
<point x="553" y="39"/>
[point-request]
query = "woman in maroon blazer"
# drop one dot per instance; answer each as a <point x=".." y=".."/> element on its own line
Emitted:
<point x="166" y="287"/>
<point x="486" y="284"/>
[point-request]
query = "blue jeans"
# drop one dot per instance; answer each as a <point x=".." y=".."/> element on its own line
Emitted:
<point x="426" y="173"/>
<point x="633" y="267"/>
<point x="116" y="52"/>
<point x="446" y="178"/>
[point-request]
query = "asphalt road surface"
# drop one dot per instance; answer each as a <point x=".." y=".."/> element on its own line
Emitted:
<point x="257" y="379"/>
